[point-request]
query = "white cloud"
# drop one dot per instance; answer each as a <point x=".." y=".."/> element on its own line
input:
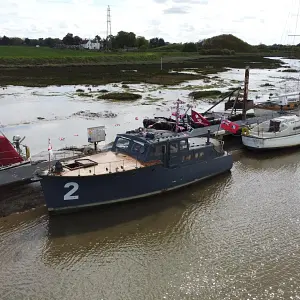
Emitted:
<point x="255" y="21"/>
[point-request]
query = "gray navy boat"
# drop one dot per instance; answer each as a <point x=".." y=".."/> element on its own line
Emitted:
<point x="139" y="164"/>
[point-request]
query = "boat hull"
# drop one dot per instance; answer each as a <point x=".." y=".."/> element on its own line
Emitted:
<point x="23" y="173"/>
<point x="64" y="193"/>
<point x="253" y="142"/>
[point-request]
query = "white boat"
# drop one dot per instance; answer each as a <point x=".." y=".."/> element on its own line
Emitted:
<point x="279" y="132"/>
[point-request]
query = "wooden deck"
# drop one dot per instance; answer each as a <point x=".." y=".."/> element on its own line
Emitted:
<point x="108" y="162"/>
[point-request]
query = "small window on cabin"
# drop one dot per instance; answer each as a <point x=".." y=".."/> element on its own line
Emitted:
<point x="122" y="143"/>
<point x="158" y="150"/>
<point x="138" y="147"/>
<point x="183" y="145"/>
<point x="196" y="155"/>
<point x="173" y="147"/>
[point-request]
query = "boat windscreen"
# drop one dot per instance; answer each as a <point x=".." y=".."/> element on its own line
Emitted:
<point x="138" y="147"/>
<point x="122" y="143"/>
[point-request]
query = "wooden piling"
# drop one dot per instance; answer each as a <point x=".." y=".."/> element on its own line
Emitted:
<point x="246" y="84"/>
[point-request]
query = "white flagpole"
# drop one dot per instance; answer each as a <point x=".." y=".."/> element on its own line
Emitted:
<point x="49" y="152"/>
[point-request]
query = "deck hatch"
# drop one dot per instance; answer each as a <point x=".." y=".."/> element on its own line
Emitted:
<point x="81" y="163"/>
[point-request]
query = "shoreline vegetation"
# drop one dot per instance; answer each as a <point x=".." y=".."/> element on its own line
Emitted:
<point x="104" y="68"/>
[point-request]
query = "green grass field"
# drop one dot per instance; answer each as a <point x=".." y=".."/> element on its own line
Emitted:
<point x="43" y="55"/>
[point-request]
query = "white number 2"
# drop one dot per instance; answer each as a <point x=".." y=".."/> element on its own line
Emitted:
<point x="70" y="194"/>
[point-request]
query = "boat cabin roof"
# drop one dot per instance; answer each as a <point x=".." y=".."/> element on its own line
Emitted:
<point x="154" y="136"/>
<point x="286" y="119"/>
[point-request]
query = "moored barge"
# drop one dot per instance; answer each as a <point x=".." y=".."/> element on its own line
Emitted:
<point x="139" y="164"/>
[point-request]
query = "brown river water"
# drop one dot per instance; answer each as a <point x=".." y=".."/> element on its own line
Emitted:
<point x="235" y="236"/>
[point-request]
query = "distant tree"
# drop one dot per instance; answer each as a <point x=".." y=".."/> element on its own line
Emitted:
<point x="143" y="48"/>
<point x="98" y="38"/>
<point x="68" y="39"/>
<point x="189" y="47"/>
<point x="34" y="42"/>
<point x="27" y="41"/>
<point x="142" y="42"/>
<point x="262" y="47"/>
<point x="124" y="39"/>
<point x="161" y="42"/>
<point x="77" y="40"/>
<point x="156" y="42"/>
<point x="5" y="41"/>
<point x="49" y="42"/>
<point x="16" y="41"/>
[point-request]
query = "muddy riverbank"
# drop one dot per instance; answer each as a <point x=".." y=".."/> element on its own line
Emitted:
<point x="131" y="72"/>
<point x="15" y="199"/>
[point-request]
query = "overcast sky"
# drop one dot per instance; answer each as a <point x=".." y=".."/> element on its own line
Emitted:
<point x="255" y="21"/>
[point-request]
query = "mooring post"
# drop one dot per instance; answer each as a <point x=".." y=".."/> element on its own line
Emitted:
<point x="208" y="137"/>
<point x="246" y="84"/>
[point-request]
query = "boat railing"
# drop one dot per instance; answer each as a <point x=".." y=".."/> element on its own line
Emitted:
<point x="57" y="155"/>
<point x="115" y="166"/>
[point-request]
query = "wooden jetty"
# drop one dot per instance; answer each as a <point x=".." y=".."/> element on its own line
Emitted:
<point x="217" y="131"/>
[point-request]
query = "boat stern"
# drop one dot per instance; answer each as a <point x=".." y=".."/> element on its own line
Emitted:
<point x="253" y="142"/>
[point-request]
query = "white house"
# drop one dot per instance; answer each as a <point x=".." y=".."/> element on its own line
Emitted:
<point x="92" y="46"/>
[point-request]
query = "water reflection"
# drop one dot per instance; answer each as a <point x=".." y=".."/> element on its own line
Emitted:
<point x="147" y="219"/>
<point x="289" y="159"/>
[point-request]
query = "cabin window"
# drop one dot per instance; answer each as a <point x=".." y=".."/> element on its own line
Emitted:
<point x="274" y="126"/>
<point x="183" y="145"/>
<point x="196" y="155"/>
<point x="159" y="150"/>
<point x="122" y="143"/>
<point x="138" y="147"/>
<point x="296" y="128"/>
<point x="173" y="147"/>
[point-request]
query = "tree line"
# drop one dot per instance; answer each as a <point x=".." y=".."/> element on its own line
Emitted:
<point x="222" y="44"/>
<point x="121" y="40"/>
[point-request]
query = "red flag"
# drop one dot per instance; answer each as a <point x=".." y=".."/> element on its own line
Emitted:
<point x="230" y="126"/>
<point x="199" y="119"/>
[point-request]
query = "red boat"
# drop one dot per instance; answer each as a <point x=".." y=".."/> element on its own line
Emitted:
<point x="11" y="154"/>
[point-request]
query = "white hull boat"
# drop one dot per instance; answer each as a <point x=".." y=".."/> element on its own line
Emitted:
<point x="280" y="132"/>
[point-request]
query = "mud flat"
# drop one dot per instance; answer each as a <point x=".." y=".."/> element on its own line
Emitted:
<point x="27" y="74"/>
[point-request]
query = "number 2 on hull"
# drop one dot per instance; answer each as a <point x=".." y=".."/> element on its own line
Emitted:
<point x="70" y="194"/>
